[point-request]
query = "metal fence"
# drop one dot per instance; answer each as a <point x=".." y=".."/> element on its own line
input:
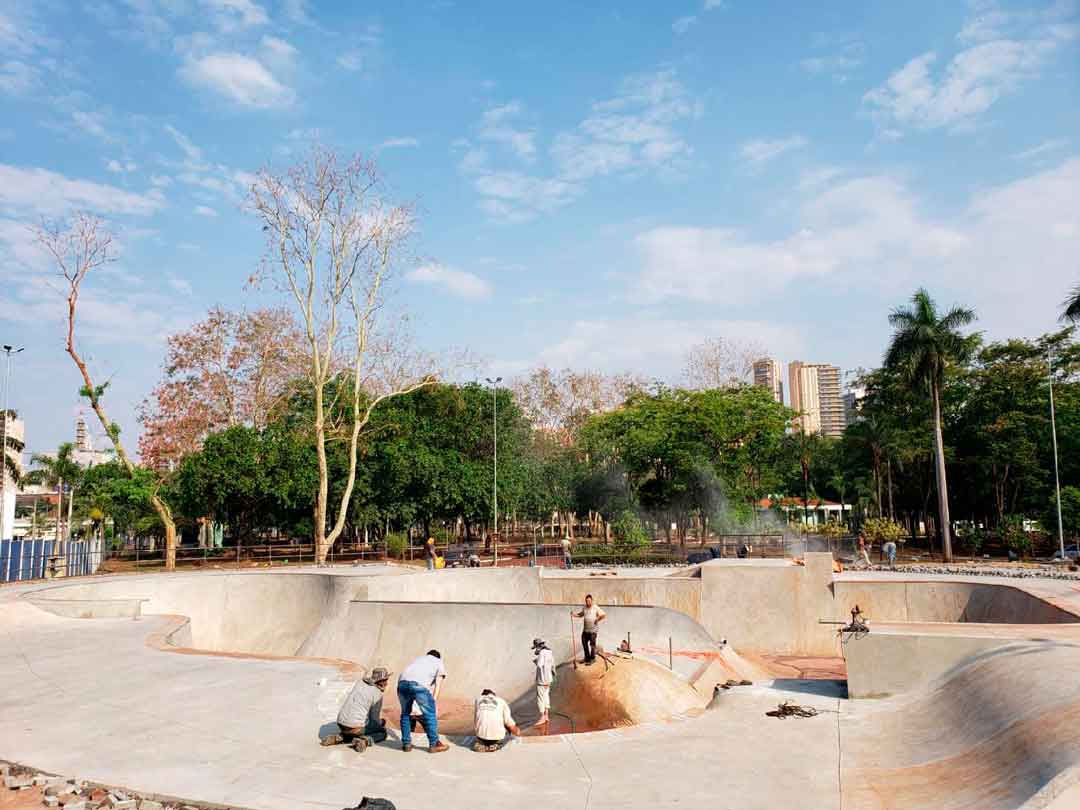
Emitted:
<point x="39" y="559"/>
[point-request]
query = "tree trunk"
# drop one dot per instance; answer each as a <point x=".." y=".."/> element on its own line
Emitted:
<point x="942" y="486"/>
<point x="67" y="522"/>
<point x="60" y="517"/>
<point x="324" y="480"/>
<point x="888" y="473"/>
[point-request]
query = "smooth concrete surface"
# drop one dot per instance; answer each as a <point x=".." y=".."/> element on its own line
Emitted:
<point x="90" y="698"/>
<point x="103" y="699"/>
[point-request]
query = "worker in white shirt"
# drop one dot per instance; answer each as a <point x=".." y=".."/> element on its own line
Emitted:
<point x="545" y="676"/>
<point x="493" y="719"/>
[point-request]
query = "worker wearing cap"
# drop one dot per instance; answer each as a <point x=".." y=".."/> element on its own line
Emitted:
<point x="545" y="676"/>
<point x="493" y="719"/>
<point x="429" y="553"/>
<point x="358" y="721"/>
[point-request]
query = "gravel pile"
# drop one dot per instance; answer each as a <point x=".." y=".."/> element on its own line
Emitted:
<point x="976" y="570"/>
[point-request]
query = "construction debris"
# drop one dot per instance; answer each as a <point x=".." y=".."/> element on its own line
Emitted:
<point x="789" y="709"/>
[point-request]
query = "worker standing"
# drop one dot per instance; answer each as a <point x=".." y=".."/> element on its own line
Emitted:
<point x="420" y="683"/>
<point x="545" y="676"/>
<point x="566" y="558"/>
<point x="592" y="615"/>
<point x="492" y="720"/>
<point x="359" y="721"/>
<point x="429" y="553"/>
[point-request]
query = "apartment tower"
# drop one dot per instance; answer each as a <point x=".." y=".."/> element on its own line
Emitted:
<point x="767" y="375"/>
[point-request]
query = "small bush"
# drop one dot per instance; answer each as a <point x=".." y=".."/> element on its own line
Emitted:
<point x="1013" y="536"/>
<point x="397" y="544"/>
<point x="628" y="531"/>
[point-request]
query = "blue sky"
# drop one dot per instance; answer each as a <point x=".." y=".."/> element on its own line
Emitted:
<point x="600" y="185"/>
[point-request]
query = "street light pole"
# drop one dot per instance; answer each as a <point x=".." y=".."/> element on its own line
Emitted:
<point x="495" y="456"/>
<point x="8" y="350"/>
<point x="1053" y="433"/>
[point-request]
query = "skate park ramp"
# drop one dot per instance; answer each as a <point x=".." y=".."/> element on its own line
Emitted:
<point x="1002" y="731"/>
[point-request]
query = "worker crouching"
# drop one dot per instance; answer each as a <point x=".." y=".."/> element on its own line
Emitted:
<point x="359" y="722"/>
<point x="493" y="720"/>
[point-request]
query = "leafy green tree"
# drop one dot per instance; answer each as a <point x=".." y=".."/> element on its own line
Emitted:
<point x="923" y="345"/>
<point x="10" y="454"/>
<point x="57" y="472"/>
<point x="118" y="496"/>
<point x="1071" y="311"/>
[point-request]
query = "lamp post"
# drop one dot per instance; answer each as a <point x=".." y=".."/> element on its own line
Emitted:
<point x="8" y="350"/>
<point x="1053" y="433"/>
<point x="495" y="460"/>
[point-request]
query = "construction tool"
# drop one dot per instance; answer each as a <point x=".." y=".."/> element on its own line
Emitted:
<point x="573" y="644"/>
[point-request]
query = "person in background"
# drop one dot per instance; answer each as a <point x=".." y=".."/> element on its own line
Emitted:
<point x="592" y="616"/>
<point x="429" y="553"/>
<point x="566" y="557"/>
<point x="358" y="721"/>
<point x="420" y="683"/>
<point x="492" y="720"/>
<point x="890" y="552"/>
<point x="545" y="676"/>
<point x="863" y="550"/>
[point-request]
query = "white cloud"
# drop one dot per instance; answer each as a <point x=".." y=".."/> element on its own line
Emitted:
<point x="399" y="143"/>
<point x="92" y="123"/>
<point x="297" y="11"/>
<point x="278" y="50"/>
<point x="633" y="130"/>
<point x="517" y="197"/>
<point x="456" y="282"/>
<point x="232" y="14"/>
<point x="45" y="192"/>
<point x="160" y="180"/>
<point x="712" y="5"/>
<point x="181" y="286"/>
<point x="239" y="78"/>
<point x="496" y="126"/>
<point x="16" y="78"/>
<point x="836" y="64"/>
<point x="652" y="345"/>
<point x="871" y="231"/>
<point x="683" y="24"/>
<point x="1006" y="50"/>
<point x="352" y="60"/>
<point x="189" y="149"/>
<point x="118" y="166"/>
<point x="1042" y="149"/>
<point x="762" y="151"/>
<point x="205" y="211"/>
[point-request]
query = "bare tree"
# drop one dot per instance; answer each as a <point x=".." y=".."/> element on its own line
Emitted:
<point x="559" y="402"/>
<point x="231" y="368"/>
<point x="78" y="247"/>
<point x="333" y="242"/>
<point x="721" y="363"/>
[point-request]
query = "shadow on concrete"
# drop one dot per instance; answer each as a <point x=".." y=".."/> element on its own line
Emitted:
<point x="822" y="688"/>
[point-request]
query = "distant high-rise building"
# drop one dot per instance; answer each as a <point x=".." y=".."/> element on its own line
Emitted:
<point x="82" y="435"/>
<point x="830" y="402"/>
<point x="767" y="375"/>
<point x="814" y="389"/>
<point x="803" y="395"/>
<point x="852" y="398"/>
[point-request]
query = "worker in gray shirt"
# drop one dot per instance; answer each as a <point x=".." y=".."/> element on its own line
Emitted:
<point x="359" y="723"/>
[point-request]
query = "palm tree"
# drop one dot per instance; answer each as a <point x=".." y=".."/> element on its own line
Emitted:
<point x="1072" y="306"/>
<point x="56" y="471"/>
<point x="14" y="448"/>
<point x="923" y="344"/>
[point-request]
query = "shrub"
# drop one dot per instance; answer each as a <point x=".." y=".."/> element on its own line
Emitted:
<point x="834" y="529"/>
<point x="882" y="530"/>
<point x="1013" y="536"/>
<point x="628" y="531"/>
<point x="396" y="545"/>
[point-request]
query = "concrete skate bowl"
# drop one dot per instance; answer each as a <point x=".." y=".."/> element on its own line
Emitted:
<point x="1002" y="731"/>
<point x="953" y="602"/>
<point x="485" y="644"/>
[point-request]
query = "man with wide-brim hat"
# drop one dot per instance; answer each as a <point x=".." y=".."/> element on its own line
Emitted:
<point x="359" y="722"/>
<point x="545" y="676"/>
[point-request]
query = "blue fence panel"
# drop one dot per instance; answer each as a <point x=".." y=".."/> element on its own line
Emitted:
<point x="5" y="559"/>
